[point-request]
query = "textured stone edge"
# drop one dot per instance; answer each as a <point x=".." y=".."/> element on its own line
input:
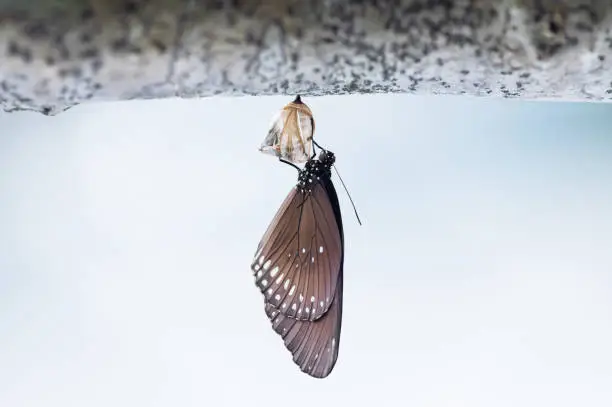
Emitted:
<point x="72" y="51"/>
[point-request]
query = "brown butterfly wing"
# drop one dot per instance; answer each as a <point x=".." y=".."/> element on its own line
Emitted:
<point x="302" y="255"/>
<point x="313" y="344"/>
<point x="298" y="261"/>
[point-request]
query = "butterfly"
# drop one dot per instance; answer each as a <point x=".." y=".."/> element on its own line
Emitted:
<point x="290" y="137"/>
<point x="298" y="267"/>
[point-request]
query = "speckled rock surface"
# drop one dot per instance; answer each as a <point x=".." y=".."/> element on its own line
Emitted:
<point x="56" y="54"/>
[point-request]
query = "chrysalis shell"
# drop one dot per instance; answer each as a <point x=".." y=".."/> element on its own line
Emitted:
<point x="290" y="134"/>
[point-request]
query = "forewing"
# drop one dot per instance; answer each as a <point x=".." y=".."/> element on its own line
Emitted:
<point x="298" y="260"/>
<point x="313" y="344"/>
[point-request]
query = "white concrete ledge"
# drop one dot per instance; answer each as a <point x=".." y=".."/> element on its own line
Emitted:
<point x="56" y="54"/>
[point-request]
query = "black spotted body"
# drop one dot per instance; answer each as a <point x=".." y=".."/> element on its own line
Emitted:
<point x="314" y="170"/>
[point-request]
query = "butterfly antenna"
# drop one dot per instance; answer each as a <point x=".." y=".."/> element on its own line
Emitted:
<point x="343" y="184"/>
<point x="349" y="195"/>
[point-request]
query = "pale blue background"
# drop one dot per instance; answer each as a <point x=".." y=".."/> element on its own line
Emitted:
<point x="482" y="275"/>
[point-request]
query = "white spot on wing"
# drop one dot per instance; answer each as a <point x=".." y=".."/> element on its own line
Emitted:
<point x="320" y="249"/>
<point x="264" y="282"/>
<point x="287" y="282"/>
<point x="274" y="271"/>
<point x="292" y="289"/>
<point x="261" y="259"/>
<point x="280" y="278"/>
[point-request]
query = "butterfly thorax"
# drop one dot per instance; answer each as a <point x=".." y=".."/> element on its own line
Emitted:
<point x="314" y="170"/>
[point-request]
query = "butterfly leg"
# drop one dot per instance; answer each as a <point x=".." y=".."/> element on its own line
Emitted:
<point x="290" y="163"/>
<point x="314" y="150"/>
<point x="317" y="144"/>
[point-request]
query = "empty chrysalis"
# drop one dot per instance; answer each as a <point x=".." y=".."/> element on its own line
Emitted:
<point x="291" y="132"/>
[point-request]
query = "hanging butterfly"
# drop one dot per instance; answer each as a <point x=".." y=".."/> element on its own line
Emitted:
<point x="290" y="135"/>
<point x="298" y="267"/>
